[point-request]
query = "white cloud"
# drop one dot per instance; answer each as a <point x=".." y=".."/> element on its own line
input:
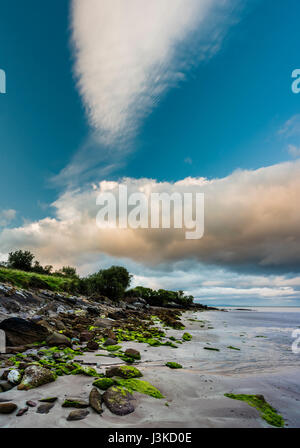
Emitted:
<point x="294" y="150"/>
<point x="251" y="219"/>
<point x="127" y="55"/>
<point x="6" y="216"/>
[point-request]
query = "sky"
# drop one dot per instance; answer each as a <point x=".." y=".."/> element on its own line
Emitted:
<point x="167" y="95"/>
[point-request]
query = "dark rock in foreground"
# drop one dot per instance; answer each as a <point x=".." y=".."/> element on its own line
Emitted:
<point x="45" y="408"/>
<point x="79" y="414"/>
<point x="20" y="331"/>
<point x="118" y="400"/>
<point x="95" y="400"/>
<point x="7" y="408"/>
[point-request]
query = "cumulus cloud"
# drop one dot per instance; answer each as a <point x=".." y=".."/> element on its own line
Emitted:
<point x="251" y="220"/>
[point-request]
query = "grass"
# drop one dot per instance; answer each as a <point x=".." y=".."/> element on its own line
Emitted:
<point x="22" y="279"/>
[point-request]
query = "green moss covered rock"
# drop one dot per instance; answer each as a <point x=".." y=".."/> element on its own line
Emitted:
<point x="267" y="412"/>
<point x="174" y="365"/>
<point x="104" y="383"/>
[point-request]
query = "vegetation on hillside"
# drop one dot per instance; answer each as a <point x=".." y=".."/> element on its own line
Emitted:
<point x="22" y="270"/>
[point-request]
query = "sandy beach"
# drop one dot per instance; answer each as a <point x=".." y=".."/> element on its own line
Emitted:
<point x="194" y="395"/>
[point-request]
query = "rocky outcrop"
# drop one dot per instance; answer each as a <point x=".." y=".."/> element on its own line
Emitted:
<point x="20" y="331"/>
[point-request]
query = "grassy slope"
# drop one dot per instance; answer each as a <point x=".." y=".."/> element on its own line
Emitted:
<point x="21" y="279"/>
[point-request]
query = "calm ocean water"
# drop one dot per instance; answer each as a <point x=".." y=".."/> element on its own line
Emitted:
<point x="262" y="335"/>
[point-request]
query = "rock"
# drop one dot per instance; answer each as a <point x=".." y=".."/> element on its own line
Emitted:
<point x="72" y="402"/>
<point x="14" y="377"/>
<point x="93" y="345"/>
<point x="7" y="408"/>
<point x="125" y="372"/>
<point x="48" y="400"/>
<point x="35" y="376"/>
<point x="31" y="404"/>
<point x="110" y="334"/>
<point x="45" y="408"/>
<point x="79" y="414"/>
<point x="5" y="386"/>
<point x="93" y="311"/>
<point x="86" y="336"/>
<point x="4" y="375"/>
<point x="20" y="332"/>
<point x="104" y="323"/>
<point x="21" y="412"/>
<point x="132" y="353"/>
<point x="57" y="339"/>
<point x="118" y="400"/>
<point x="118" y="315"/>
<point x="95" y="400"/>
<point x="104" y="383"/>
<point x="110" y="342"/>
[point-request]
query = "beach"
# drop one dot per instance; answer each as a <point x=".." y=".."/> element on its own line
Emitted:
<point x="252" y="359"/>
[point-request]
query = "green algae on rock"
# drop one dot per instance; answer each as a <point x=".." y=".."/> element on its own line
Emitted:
<point x="187" y="337"/>
<point x="212" y="349"/>
<point x="267" y="412"/>
<point x="35" y="376"/>
<point x="174" y="365"/>
<point x="233" y="348"/>
<point x="143" y="387"/>
<point x="123" y="372"/>
<point x="104" y="383"/>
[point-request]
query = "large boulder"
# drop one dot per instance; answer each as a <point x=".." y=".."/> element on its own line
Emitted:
<point x="118" y="400"/>
<point x="35" y="376"/>
<point x="20" y="331"/>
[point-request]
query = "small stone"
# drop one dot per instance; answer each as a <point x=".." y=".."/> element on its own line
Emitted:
<point x="79" y="414"/>
<point x="110" y="341"/>
<point x="7" y="408"/>
<point x="95" y="400"/>
<point x="72" y="402"/>
<point x="45" y="408"/>
<point x="31" y="404"/>
<point x="21" y="412"/>
<point x="132" y="353"/>
<point x="48" y="400"/>
<point x="93" y="345"/>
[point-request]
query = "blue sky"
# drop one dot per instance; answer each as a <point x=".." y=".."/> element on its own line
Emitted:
<point x="224" y="114"/>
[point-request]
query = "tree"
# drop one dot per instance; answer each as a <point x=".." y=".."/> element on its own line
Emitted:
<point x="111" y="282"/>
<point x="20" y="260"/>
